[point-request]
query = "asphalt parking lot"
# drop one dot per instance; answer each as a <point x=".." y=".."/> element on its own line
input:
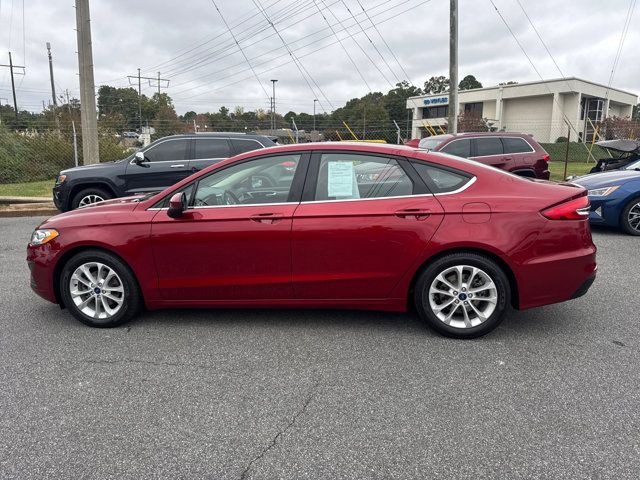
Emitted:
<point x="553" y="393"/>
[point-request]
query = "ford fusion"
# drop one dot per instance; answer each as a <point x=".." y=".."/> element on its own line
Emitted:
<point x="326" y="225"/>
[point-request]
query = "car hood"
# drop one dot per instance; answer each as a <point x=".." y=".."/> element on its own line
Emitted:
<point x="98" y="213"/>
<point x="605" y="179"/>
<point x="84" y="168"/>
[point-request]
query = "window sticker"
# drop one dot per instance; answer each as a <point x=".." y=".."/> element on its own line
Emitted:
<point x="340" y="176"/>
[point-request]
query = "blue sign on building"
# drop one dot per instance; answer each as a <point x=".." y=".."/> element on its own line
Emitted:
<point x="436" y="100"/>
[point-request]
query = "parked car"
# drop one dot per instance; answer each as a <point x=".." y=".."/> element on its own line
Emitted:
<point x="454" y="239"/>
<point x="130" y="135"/>
<point x="151" y="169"/>
<point x="615" y="198"/>
<point x="622" y="154"/>
<point x="517" y="153"/>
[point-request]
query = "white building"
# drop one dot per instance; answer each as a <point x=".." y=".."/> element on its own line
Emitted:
<point x="541" y="109"/>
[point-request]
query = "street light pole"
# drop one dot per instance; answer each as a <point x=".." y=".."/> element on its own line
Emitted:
<point x="273" y="110"/>
<point x="453" y="66"/>
<point x="314" y="113"/>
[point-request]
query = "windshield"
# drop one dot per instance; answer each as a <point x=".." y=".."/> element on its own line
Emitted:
<point x="633" y="166"/>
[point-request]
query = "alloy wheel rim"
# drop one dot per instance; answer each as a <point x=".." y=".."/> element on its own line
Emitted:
<point x="463" y="296"/>
<point x="89" y="200"/>
<point x="96" y="290"/>
<point x="634" y="217"/>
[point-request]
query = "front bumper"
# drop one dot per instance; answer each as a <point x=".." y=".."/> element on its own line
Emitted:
<point x="41" y="261"/>
<point x="60" y="197"/>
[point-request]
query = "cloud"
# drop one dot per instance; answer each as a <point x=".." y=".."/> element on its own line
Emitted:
<point x="189" y="44"/>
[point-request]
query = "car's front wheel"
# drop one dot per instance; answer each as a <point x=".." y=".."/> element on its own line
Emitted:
<point x="89" y="196"/>
<point x="99" y="289"/>
<point x="630" y="220"/>
<point x="462" y="295"/>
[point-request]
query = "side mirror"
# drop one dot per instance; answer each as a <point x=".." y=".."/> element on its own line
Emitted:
<point x="139" y="158"/>
<point x="177" y="205"/>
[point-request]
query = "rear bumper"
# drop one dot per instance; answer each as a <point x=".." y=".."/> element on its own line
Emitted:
<point x="556" y="278"/>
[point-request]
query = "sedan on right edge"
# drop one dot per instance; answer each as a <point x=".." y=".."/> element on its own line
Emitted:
<point x="615" y="199"/>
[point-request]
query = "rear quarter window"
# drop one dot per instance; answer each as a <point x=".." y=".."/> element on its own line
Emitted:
<point x="516" y="145"/>
<point x="440" y="180"/>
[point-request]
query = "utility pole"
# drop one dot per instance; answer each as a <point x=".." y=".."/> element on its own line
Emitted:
<point x="11" y="66"/>
<point x="88" y="114"/>
<point x="273" y="110"/>
<point x="53" y="86"/>
<point x="149" y="79"/>
<point x="314" y="113"/>
<point x="453" y="66"/>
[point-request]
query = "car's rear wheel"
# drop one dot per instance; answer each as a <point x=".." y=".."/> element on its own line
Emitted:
<point x="630" y="220"/>
<point x="99" y="289"/>
<point x="462" y="295"/>
<point x="89" y="196"/>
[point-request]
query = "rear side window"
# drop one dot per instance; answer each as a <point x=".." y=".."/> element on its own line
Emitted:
<point x="212" y="148"/>
<point x="459" y="148"/>
<point x="241" y="145"/>
<point x="488" y="146"/>
<point x="516" y="145"/>
<point x="440" y="180"/>
<point x="344" y="176"/>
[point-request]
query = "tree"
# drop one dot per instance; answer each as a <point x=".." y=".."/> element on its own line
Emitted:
<point x="635" y="115"/>
<point x="469" y="82"/>
<point x="510" y="82"/>
<point x="436" y="85"/>
<point x="395" y="101"/>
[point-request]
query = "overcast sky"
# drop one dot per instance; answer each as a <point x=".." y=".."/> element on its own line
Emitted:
<point x="188" y="43"/>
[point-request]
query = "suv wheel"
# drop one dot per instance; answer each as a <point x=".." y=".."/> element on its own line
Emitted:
<point x="462" y="295"/>
<point x="89" y="196"/>
<point x="99" y="289"/>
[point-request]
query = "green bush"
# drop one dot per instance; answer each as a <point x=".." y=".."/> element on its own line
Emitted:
<point x="30" y="158"/>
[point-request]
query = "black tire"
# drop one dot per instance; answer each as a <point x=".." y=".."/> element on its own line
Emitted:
<point x="488" y="266"/>
<point x="99" y="192"/>
<point x="624" y="218"/>
<point x="131" y="295"/>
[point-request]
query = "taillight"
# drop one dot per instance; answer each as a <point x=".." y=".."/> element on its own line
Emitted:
<point x="546" y="158"/>
<point x="577" y="209"/>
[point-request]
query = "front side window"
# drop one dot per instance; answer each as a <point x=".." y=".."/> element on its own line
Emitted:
<point x="488" y="146"/>
<point x="459" y="148"/>
<point x="258" y="181"/>
<point x="439" y="179"/>
<point x="515" y="145"/>
<point x="207" y="148"/>
<point x="167" y="151"/>
<point x="344" y="176"/>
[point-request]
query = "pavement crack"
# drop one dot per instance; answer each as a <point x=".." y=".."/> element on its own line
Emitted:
<point x="280" y="433"/>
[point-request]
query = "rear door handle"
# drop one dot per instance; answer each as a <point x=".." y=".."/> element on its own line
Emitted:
<point x="267" y="217"/>
<point x="417" y="213"/>
<point x="179" y="165"/>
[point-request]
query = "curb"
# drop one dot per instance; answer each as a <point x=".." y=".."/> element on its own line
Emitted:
<point x="7" y="199"/>
<point x="28" y="210"/>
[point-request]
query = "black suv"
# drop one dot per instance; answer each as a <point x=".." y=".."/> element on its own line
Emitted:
<point x="155" y="167"/>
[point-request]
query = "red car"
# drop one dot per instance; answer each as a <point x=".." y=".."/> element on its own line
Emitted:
<point x="303" y="226"/>
<point x="517" y="153"/>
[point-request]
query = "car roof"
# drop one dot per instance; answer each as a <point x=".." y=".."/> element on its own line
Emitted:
<point x="219" y="134"/>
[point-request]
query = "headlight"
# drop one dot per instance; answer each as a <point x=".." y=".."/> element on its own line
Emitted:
<point x="40" y="237"/>
<point x="602" y="192"/>
<point x="60" y="179"/>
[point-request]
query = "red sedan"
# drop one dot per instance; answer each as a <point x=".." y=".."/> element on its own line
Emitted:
<point x="337" y="225"/>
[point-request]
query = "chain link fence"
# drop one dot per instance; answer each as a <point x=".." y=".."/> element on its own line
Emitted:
<point x="39" y="154"/>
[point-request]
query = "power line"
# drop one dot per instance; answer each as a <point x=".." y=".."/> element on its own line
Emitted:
<point x="623" y="37"/>
<point x="342" y="45"/>
<point x="385" y="42"/>
<point x="241" y="49"/>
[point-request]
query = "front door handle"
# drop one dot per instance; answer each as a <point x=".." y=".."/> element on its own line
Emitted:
<point x="179" y="165"/>
<point x="417" y="213"/>
<point x="267" y="217"/>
